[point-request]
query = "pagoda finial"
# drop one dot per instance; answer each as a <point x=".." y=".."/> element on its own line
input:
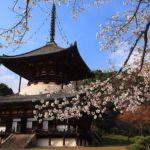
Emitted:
<point x="53" y="17"/>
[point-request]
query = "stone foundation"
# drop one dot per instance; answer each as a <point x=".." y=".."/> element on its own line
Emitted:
<point x="56" y="142"/>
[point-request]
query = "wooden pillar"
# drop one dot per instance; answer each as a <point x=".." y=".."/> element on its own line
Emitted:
<point x="23" y="124"/>
<point x="84" y="142"/>
<point x="40" y="125"/>
<point x="80" y="141"/>
<point x="55" y="124"/>
<point x="64" y="141"/>
<point x="75" y="85"/>
<point x="77" y="141"/>
<point x="19" y="85"/>
<point x="8" y="124"/>
<point x="50" y="141"/>
<point x="62" y="86"/>
<point x="66" y="125"/>
<point x="62" y="80"/>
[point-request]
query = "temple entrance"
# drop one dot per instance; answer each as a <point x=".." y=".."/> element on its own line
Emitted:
<point x="32" y="125"/>
<point x="16" y="126"/>
<point x="23" y="124"/>
<point x="2" y="128"/>
<point x="45" y="125"/>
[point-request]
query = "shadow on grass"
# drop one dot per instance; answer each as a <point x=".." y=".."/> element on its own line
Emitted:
<point x="115" y="140"/>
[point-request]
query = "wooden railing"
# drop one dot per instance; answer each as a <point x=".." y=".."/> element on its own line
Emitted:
<point x="53" y="131"/>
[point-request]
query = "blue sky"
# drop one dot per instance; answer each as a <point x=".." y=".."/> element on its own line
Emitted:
<point x="82" y="29"/>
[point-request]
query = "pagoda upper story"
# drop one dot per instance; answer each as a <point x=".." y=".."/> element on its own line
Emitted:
<point x="49" y="63"/>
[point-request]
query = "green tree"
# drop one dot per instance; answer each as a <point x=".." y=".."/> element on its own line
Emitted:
<point x="5" y="90"/>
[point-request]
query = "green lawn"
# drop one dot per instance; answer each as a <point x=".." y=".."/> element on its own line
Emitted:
<point x="84" y="148"/>
<point x="114" y="140"/>
<point x="76" y="148"/>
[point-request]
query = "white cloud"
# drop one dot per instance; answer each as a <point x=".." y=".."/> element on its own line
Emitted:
<point x="121" y="55"/>
<point x="11" y="79"/>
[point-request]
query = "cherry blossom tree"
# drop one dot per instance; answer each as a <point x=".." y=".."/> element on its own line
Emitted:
<point x="131" y="27"/>
<point x="126" y="90"/>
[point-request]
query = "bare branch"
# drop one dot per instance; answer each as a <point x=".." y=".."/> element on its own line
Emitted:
<point x="15" y="3"/>
<point x="131" y="51"/>
<point x="133" y="16"/>
<point x="18" y="31"/>
<point x="145" y="44"/>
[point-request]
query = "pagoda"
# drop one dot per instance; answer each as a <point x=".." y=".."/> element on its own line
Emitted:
<point x="48" y="69"/>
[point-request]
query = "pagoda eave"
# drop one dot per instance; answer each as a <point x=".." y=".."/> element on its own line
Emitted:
<point x="63" y="66"/>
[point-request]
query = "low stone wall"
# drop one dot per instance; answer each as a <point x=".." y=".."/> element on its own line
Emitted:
<point x="70" y="142"/>
<point x="42" y="142"/>
<point x="56" y="142"/>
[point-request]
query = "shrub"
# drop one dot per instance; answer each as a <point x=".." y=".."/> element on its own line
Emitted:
<point x="140" y="143"/>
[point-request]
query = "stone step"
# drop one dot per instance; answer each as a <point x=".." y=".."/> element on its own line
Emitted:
<point x="17" y="141"/>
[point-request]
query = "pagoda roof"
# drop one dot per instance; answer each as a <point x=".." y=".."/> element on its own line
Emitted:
<point x="64" y="60"/>
<point x="49" y="63"/>
<point x="50" y="48"/>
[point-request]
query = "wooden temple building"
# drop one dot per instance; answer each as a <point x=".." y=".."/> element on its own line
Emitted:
<point x="48" y="70"/>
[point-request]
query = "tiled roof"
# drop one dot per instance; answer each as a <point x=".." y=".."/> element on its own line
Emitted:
<point x="47" y="49"/>
<point x="16" y="98"/>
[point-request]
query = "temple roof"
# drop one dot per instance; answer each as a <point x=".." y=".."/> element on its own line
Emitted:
<point x="17" y="98"/>
<point x="54" y="61"/>
<point x="47" y="49"/>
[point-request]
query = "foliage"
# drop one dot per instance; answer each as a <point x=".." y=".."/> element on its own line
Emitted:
<point x="134" y="120"/>
<point x="98" y="75"/>
<point x="116" y="140"/>
<point x="5" y="90"/>
<point x="107" y="122"/>
<point x="112" y="140"/>
<point x="140" y="143"/>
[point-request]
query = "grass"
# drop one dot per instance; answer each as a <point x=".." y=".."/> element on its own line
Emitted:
<point x="115" y="140"/>
<point x="80" y="148"/>
<point x="74" y="148"/>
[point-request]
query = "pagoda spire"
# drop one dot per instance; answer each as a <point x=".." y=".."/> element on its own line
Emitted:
<point x="52" y="28"/>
